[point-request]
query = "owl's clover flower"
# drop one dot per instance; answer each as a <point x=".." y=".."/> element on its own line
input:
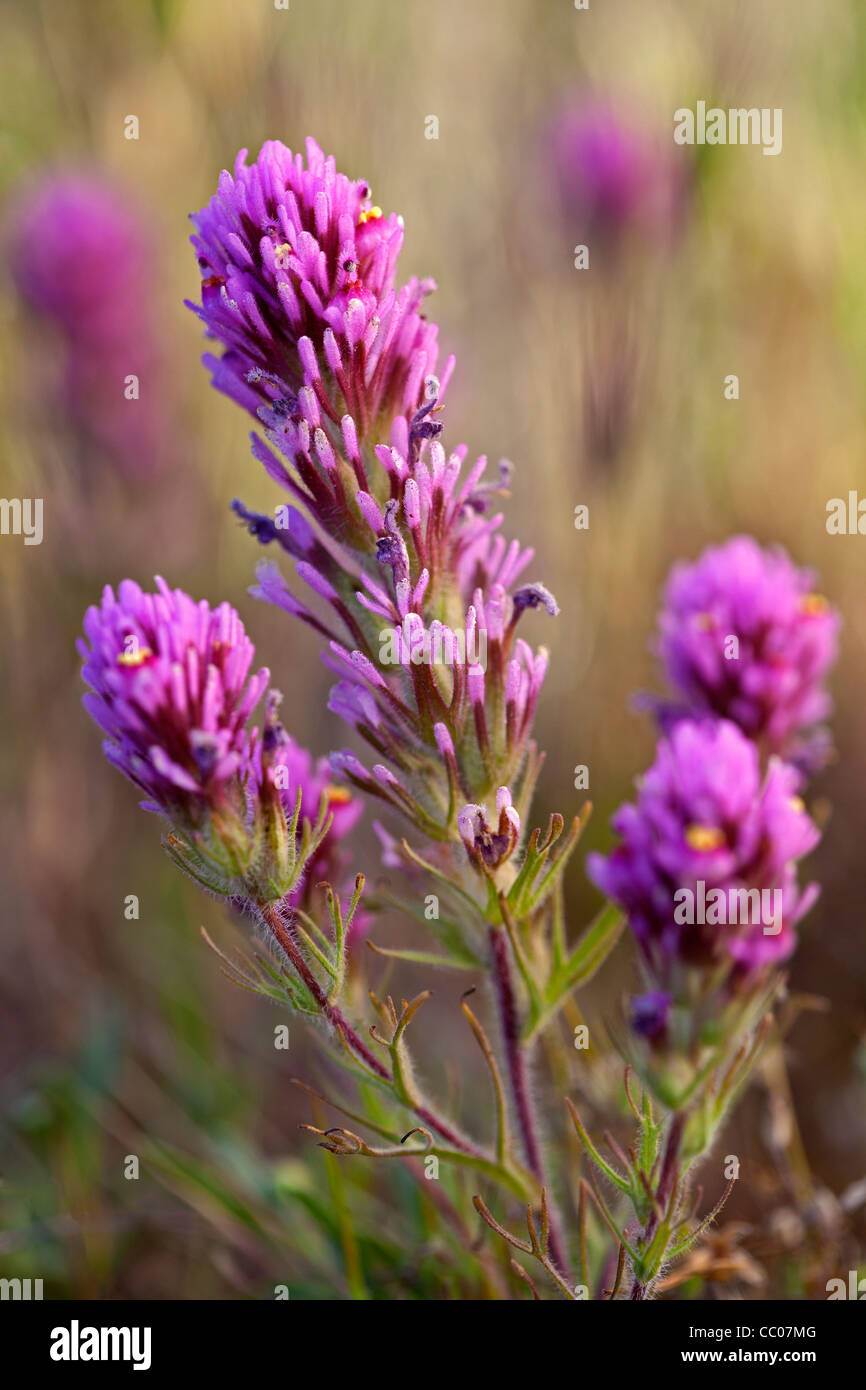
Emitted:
<point x="611" y="179"/>
<point x="170" y="686"/>
<point x="744" y="635"/>
<point x="393" y="537"/>
<point x="298" y="285"/>
<point x="79" y="256"/>
<point x="340" y="368"/>
<point x="708" y="827"/>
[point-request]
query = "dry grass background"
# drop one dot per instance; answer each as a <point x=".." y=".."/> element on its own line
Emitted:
<point x="767" y="279"/>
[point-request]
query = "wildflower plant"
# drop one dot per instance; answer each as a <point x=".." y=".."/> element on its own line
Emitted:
<point x="429" y="620"/>
<point x="88" y="300"/>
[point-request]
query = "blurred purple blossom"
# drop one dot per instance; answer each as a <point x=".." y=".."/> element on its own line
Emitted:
<point x="772" y="683"/>
<point x="612" y="177"/>
<point x="705" y="813"/>
<point x="650" y="1015"/>
<point x="81" y="258"/>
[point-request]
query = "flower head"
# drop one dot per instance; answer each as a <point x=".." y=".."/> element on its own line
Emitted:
<point x="705" y="830"/>
<point x="611" y="178"/>
<point x="80" y="258"/>
<point x="76" y="249"/>
<point x="170" y="686"/>
<point x="744" y="635"/>
<point x="298" y="285"/>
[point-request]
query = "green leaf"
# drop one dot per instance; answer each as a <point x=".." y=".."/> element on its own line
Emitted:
<point x="549" y="880"/>
<point x="448" y="933"/>
<point x="589" y="954"/>
<point x="450" y="962"/>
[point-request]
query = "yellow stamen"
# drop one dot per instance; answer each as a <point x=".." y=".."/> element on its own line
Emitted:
<point x="368" y="215"/>
<point x="137" y="657"/>
<point x="797" y="803"/>
<point x="339" y="795"/>
<point x="813" y="604"/>
<point x="704" y="837"/>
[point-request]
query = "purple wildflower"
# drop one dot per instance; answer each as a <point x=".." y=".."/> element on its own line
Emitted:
<point x="612" y="179"/>
<point x="80" y="258"/>
<point x="705" y="820"/>
<point x="402" y="547"/>
<point x="298" y="285"/>
<point x="744" y="635"/>
<point x="334" y="361"/>
<point x="171" y="688"/>
<point x="488" y="845"/>
<point x="480" y="685"/>
<point x="650" y="1015"/>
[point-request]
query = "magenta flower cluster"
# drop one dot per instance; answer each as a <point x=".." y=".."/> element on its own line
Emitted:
<point x="743" y="635"/>
<point x="613" y="181"/>
<point x="746" y="644"/>
<point x="405" y="549"/>
<point x="705" y="812"/>
<point x="171" y="688"/>
<point x="298" y="281"/>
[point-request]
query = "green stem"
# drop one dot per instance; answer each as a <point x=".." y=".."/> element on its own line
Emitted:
<point x="668" y="1178"/>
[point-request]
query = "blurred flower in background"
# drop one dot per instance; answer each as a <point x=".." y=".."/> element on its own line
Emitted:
<point x="82" y="260"/>
<point x="614" y="179"/>
<point x="621" y="195"/>
<point x="743" y="634"/>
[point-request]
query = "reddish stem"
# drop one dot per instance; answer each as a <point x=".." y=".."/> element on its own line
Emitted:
<point x="520" y="1086"/>
<point x="330" y="1011"/>
<point x="282" y="935"/>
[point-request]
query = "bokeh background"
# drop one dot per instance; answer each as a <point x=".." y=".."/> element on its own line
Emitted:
<point x="604" y="386"/>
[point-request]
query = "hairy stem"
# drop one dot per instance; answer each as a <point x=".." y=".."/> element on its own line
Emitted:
<point x="330" y="1011"/>
<point x="335" y="1016"/>
<point x="667" y="1179"/>
<point x="520" y="1086"/>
